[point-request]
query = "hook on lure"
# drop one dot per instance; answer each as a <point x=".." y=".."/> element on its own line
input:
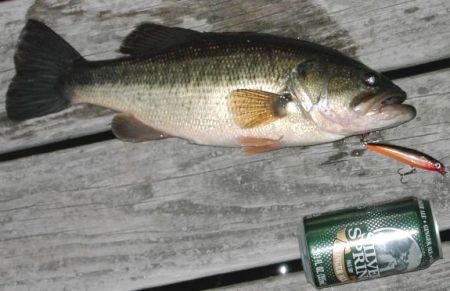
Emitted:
<point x="403" y="174"/>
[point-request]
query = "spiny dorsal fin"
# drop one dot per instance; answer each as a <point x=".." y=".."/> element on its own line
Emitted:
<point x="252" y="108"/>
<point x="127" y="128"/>
<point x="149" y="37"/>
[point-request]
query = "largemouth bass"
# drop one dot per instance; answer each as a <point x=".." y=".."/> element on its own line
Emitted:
<point x="256" y="91"/>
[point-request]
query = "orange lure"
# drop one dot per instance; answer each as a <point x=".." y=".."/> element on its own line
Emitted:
<point x="409" y="156"/>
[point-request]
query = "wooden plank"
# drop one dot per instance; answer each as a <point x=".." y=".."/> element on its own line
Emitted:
<point x="116" y="216"/>
<point x="383" y="34"/>
<point x="433" y="278"/>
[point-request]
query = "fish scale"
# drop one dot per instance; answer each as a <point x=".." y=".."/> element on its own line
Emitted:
<point x="196" y="101"/>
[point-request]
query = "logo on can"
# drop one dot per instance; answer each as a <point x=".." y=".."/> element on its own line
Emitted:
<point x="359" y="254"/>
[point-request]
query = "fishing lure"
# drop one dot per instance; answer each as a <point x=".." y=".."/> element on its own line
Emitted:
<point x="410" y="157"/>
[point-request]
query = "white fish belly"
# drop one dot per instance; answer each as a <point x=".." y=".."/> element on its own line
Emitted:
<point x="199" y="113"/>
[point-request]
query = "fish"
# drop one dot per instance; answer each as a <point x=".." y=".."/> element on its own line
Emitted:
<point x="256" y="91"/>
<point x="410" y="157"/>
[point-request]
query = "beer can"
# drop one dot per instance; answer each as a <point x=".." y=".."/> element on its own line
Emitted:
<point x="369" y="242"/>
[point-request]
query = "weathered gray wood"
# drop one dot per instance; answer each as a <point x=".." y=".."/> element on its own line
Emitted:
<point x="383" y="34"/>
<point x="119" y="216"/>
<point x="433" y="278"/>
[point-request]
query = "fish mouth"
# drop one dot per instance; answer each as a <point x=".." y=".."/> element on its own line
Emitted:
<point x="369" y="113"/>
<point x="391" y="112"/>
<point x="386" y="111"/>
<point x="398" y="99"/>
<point x="386" y="102"/>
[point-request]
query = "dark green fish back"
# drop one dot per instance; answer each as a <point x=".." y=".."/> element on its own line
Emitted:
<point x="182" y="55"/>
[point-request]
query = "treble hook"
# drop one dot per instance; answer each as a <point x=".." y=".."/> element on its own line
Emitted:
<point x="402" y="175"/>
<point x="363" y="138"/>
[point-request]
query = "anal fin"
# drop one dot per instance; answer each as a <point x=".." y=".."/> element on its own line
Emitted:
<point x="127" y="128"/>
<point x="255" y="145"/>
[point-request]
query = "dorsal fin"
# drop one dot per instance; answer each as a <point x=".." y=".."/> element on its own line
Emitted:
<point x="150" y="37"/>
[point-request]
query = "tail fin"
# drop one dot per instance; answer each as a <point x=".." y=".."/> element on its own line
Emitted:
<point x="42" y="61"/>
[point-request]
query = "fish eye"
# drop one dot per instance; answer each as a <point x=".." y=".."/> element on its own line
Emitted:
<point x="438" y="165"/>
<point x="370" y="79"/>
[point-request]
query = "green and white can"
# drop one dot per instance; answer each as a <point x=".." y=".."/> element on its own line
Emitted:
<point x="369" y="242"/>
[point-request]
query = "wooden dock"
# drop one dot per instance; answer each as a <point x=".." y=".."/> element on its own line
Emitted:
<point x="108" y="215"/>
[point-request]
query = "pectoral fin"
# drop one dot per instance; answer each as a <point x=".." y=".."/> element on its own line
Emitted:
<point x="127" y="128"/>
<point x="252" y="108"/>
<point x="255" y="145"/>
